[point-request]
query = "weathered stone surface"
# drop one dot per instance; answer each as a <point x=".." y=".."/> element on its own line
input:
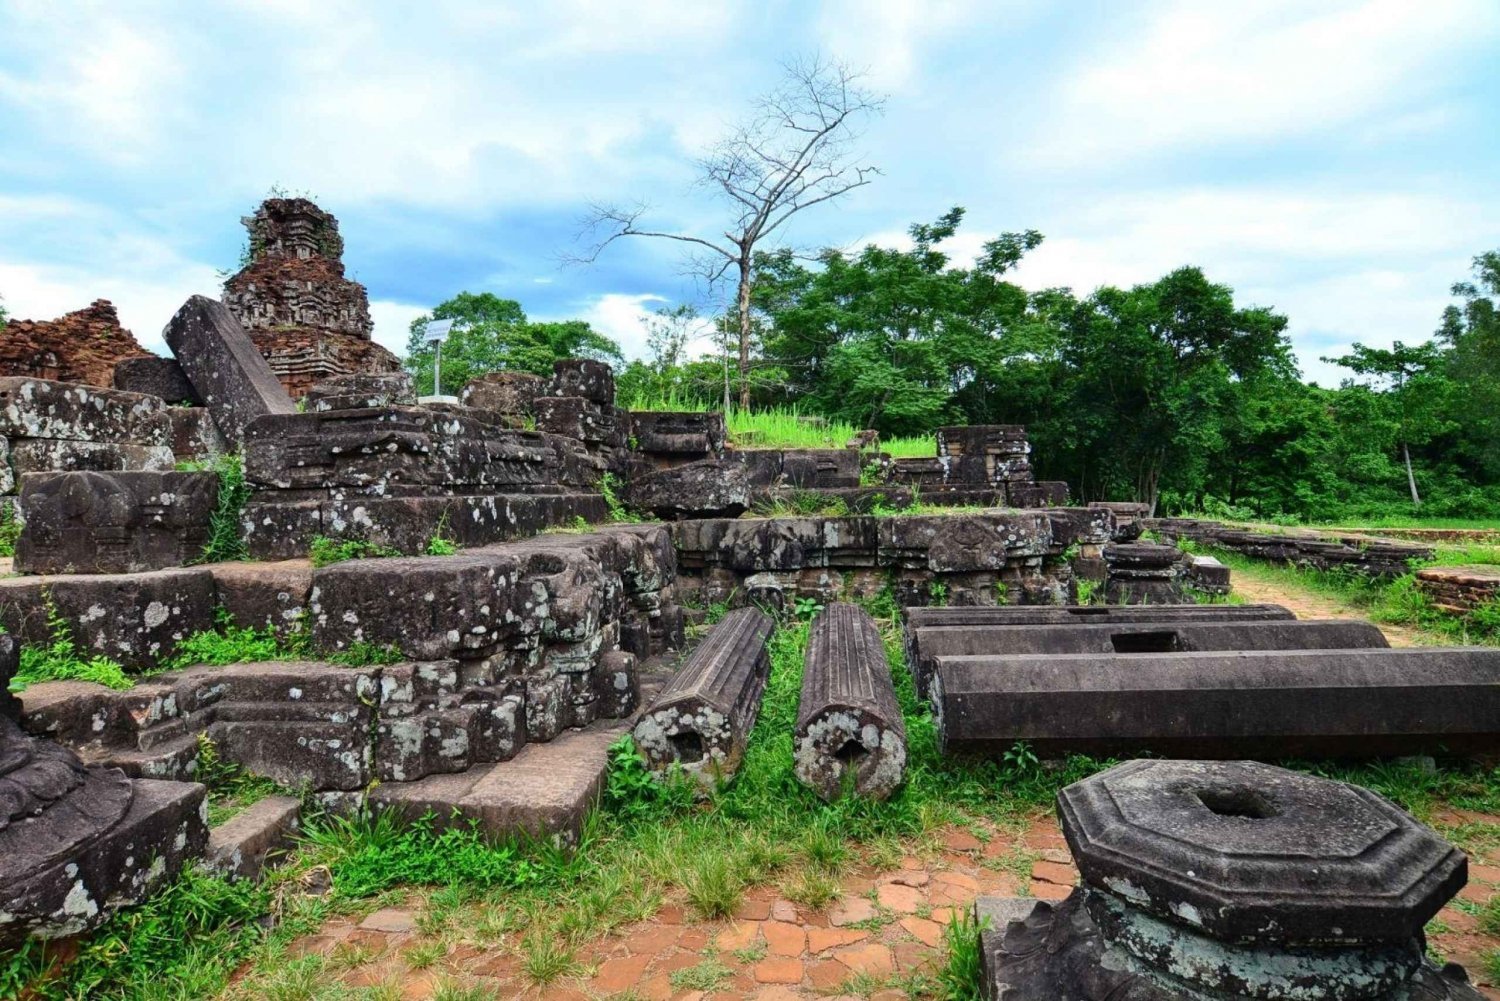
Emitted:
<point x="1143" y="573"/>
<point x="592" y="380"/>
<point x="1046" y="493"/>
<point x="1129" y="517"/>
<point x="243" y="846"/>
<point x="544" y="791"/>
<point x="1212" y="880"/>
<point x="677" y="433"/>
<point x="362" y="391"/>
<point x="137" y="619"/>
<point x="1277" y="703"/>
<point x="703" y="718"/>
<point x="154" y="376"/>
<point x="928" y="643"/>
<point x="575" y="417"/>
<point x="195" y="436"/>
<point x="505" y="392"/>
<point x="1011" y="615"/>
<point x="1373" y="557"/>
<point x="222" y="363"/>
<point x="850" y="733"/>
<point x="90" y="522"/>
<point x="1461" y="589"/>
<point x="1206" y="574"/>
<point x="303" y="357"/>
<point x="78" y="842"/>
<point x="264" y="595"/>
<point x="36" y="408"/>
<point x="707" y="489"/>
<point x="82" y="346"/>
<point x="46" y="455"/>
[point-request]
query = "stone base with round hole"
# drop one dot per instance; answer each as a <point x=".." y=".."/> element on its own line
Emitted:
<point x="1220" y="881"/>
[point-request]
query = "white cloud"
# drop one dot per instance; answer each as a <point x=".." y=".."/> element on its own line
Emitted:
<point x="393" y="322"/>
<point x="1200" y="75"/>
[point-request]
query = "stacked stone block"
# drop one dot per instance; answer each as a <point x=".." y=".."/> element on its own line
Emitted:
<point x="1379" y="558"/>
<point x="581" y="406"/>
<point x="1143" y="573"/>
<point x="1460" y="590"/>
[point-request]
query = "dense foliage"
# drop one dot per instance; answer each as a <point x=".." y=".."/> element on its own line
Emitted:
<point x="490" y="334"/>
<point x="1168" y="392"/>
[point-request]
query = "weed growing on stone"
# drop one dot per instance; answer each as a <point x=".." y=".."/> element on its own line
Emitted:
<point x="609" y="486"/>
<point x="228" y="643"/>
<point x="230" y="788"/>
<point x="325" y="551"/>
<point x="961" y="979"/>
<point x="10" y="530"/>
<point x="61" y="660"/>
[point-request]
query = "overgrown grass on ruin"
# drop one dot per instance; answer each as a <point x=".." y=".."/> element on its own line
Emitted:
<point x="786" y="427"/>
<point x="652" y="841"/>
<point x="1396" y="601"/>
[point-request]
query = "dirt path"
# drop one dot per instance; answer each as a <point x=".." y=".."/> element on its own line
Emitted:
<point x="1310" y="605"/>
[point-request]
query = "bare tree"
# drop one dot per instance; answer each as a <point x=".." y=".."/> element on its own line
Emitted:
<point x="794" y="151"/>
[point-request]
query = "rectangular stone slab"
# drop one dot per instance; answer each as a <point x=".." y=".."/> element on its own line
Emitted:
<point x="931" y="642"/>
<point x="41" y="408"/>
<point x="1031" y="615"/>
<point x="1251" y="704"/>
<point x="229" y="374"/>
<point x="703" y="718"/>
<point x="121" y="522"/>
<point x="849" y="725"/>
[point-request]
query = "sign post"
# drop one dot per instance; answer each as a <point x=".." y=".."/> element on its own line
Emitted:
<point x="436" y="333"/>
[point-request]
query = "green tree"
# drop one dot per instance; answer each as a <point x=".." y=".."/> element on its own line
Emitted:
<point x="1470" y="331"/>
<point x="1417" y="390"/>
<point x="796" y="150"/>
<point x="492" y="334"/>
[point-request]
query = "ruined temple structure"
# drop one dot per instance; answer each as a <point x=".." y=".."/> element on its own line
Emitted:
<point x="309" y="321"/>
<point x="81" y="346"/>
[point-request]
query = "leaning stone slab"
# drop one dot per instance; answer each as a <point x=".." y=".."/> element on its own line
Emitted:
<point x="850" y="734"/>
<point x="40" y="408"/>
<point x="703" y="718"/>
<point x="230" y="375"/>
<point x="1256" y="703"/>
<point x="931" y="642"/>
<point x="130" y="522"/>
<point x="137" y="619"/>
<point x="242" y="846"/>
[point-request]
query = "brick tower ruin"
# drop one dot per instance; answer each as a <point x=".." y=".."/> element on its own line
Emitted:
<point x="309" y="321"/>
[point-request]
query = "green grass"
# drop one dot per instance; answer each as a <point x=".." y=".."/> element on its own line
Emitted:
<point x="225" y="539"/>
<point x="787" y="427"/>
<point x="1394" y="602"/>
<point x="61" y="660"/>
<point x="651" y="841"/>
<point x="10" y="529"/>
<point x="325" y="551"/>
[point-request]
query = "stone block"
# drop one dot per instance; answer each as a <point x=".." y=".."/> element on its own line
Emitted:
<point x="137" y="619"/>
<point x="575" y="417"/>
<point x="160" y="377"/>
<point x="677" y="433"/>
<point x="244" y="846"/>
<point x="850" y="734"/>
<point x="703" y="717"/>
<point x="128" y="522"/>
<point x="47" y="455"/>
<point x="361" y="391"/>
<point x="1245" y="704"/>
<point x="195" y="436"/>
<point x="820" y="468"/>
<point x="928" y="643"/>
<point x="1015" y="615"/>
<point x="10" y="662"/>
<point x="1046" y="493"/>
<point x="229" y="374"/>
<point x="505" y="392"/>
<point x="592" y="380"/>
<point x="706" y="489"/>
<point x="264" y="595"/>
<point x="38" y="408"/>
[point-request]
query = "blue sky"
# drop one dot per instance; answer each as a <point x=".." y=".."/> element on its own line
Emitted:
<point x="1335" y="160"/>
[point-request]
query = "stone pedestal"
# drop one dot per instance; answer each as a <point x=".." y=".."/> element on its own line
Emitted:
<point x="1230" y="881"/>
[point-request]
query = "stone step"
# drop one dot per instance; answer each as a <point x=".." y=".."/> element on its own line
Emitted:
<point x="546" y="790"/>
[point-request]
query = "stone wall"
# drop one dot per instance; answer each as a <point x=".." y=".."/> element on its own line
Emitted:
<point x="973" y="559"/>
<point x="1357" y="554"/>
<point x="1460" y="590"/>
<point x="82" y="346"/>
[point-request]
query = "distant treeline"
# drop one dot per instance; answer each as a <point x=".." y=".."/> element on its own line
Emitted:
<point x="1166" y="392"/>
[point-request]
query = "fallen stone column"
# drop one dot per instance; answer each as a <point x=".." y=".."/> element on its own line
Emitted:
<point x="703" y="717"/>
<point x="226" y="370"/>
<point x="921" y="617"/>
<point x="932" y="642"/>
<point x="1215" y="880"/>
<point x="850" y="734"/>
<point x="1258" y="703"/>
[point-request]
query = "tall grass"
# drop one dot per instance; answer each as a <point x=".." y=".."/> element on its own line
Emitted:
<point x="788" y="427"/>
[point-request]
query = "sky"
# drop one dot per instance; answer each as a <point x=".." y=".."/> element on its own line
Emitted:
<point x="1333" y="159"/>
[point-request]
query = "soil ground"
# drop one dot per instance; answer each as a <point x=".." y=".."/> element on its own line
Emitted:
<point x="885" y="927"/>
